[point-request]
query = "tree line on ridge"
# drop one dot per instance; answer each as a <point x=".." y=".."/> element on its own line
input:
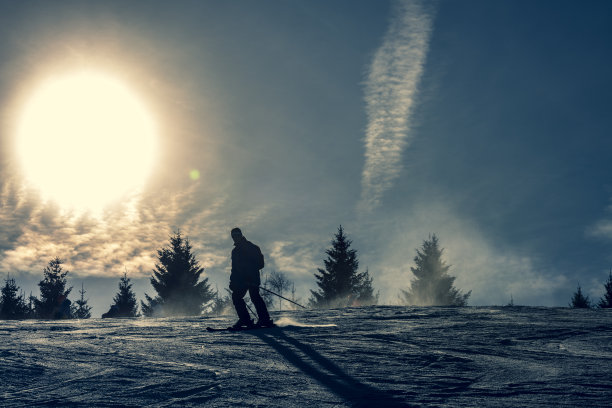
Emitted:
<point x="181" y="290"/>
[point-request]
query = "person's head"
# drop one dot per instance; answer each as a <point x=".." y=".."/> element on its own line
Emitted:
<point x="236" y="234"/>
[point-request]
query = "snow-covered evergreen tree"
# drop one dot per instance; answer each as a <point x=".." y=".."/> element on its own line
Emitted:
<point x="606" y="300"/>
<point x="579" y="300"/>
<point x="340" y="283"/>
<point x="432" y="285"/>
<point x="176" y="279"/>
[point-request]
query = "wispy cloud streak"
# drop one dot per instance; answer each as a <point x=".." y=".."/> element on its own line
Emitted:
<point x="390" y="92"/>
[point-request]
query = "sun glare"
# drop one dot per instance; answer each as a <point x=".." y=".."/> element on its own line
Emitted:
<point x="85" y="141"/>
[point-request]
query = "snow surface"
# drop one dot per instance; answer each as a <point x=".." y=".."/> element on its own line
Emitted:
<point x="371" y="357"/>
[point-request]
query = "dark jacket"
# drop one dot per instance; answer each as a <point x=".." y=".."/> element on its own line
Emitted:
<point x="247" y="260"/>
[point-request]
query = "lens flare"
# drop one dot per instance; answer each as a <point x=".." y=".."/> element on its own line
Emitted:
<point x="194" y="174"/>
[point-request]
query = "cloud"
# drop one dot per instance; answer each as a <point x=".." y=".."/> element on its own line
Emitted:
<point x="299" y="260"/>
<point x="603" y="227"/>
<point x="390" y="93"/>
<point x="14" y="208"/>
<point x="295" y="259"/>
<point x="126" y="236"/>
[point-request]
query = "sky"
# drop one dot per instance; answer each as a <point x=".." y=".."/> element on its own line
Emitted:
<point x="485" y="123"/>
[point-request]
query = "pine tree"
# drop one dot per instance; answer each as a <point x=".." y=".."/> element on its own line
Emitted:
<point x="125" y="299"/>
<point x="13" y="306"/>
<point x="82" y="310"/>
<point x="432" y="286"/>
<point x="340" y="284"/>
<point x="579" y="301"/>
<point x="52" y="287"/>
<point x="31" y="306"/>
<point x="152" y="306"/>
<point x="365" y="290"/>
<point x="606" y="300"/>
<point x="176" y="281"/>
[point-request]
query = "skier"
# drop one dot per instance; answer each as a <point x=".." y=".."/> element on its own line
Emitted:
<point x="247" y="260"/>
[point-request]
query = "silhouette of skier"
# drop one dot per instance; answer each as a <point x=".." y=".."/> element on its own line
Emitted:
<point x="247" y="260"/>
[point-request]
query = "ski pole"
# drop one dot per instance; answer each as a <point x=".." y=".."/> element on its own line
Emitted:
<point x="288" y="300"/>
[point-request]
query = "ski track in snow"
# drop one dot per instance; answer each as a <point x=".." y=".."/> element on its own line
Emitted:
<point x="359" y="357"/>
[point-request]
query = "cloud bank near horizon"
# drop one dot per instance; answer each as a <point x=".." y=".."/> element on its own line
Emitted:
<point x="123" y="237"/>
<point x="390" y="93"/>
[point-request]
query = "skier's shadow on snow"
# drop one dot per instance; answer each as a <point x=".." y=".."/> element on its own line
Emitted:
<point x="325" y="371"/>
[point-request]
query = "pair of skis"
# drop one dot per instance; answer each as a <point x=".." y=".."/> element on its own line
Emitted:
<point x="213" y="329"/>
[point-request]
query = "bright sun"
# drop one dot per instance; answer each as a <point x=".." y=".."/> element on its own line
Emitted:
<point x="85" y="141"/>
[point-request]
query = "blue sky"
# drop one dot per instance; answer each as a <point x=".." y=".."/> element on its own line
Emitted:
<point x="486" y="123"/>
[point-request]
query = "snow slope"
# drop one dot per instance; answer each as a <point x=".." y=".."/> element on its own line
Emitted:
<point x="374" y="356"/>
